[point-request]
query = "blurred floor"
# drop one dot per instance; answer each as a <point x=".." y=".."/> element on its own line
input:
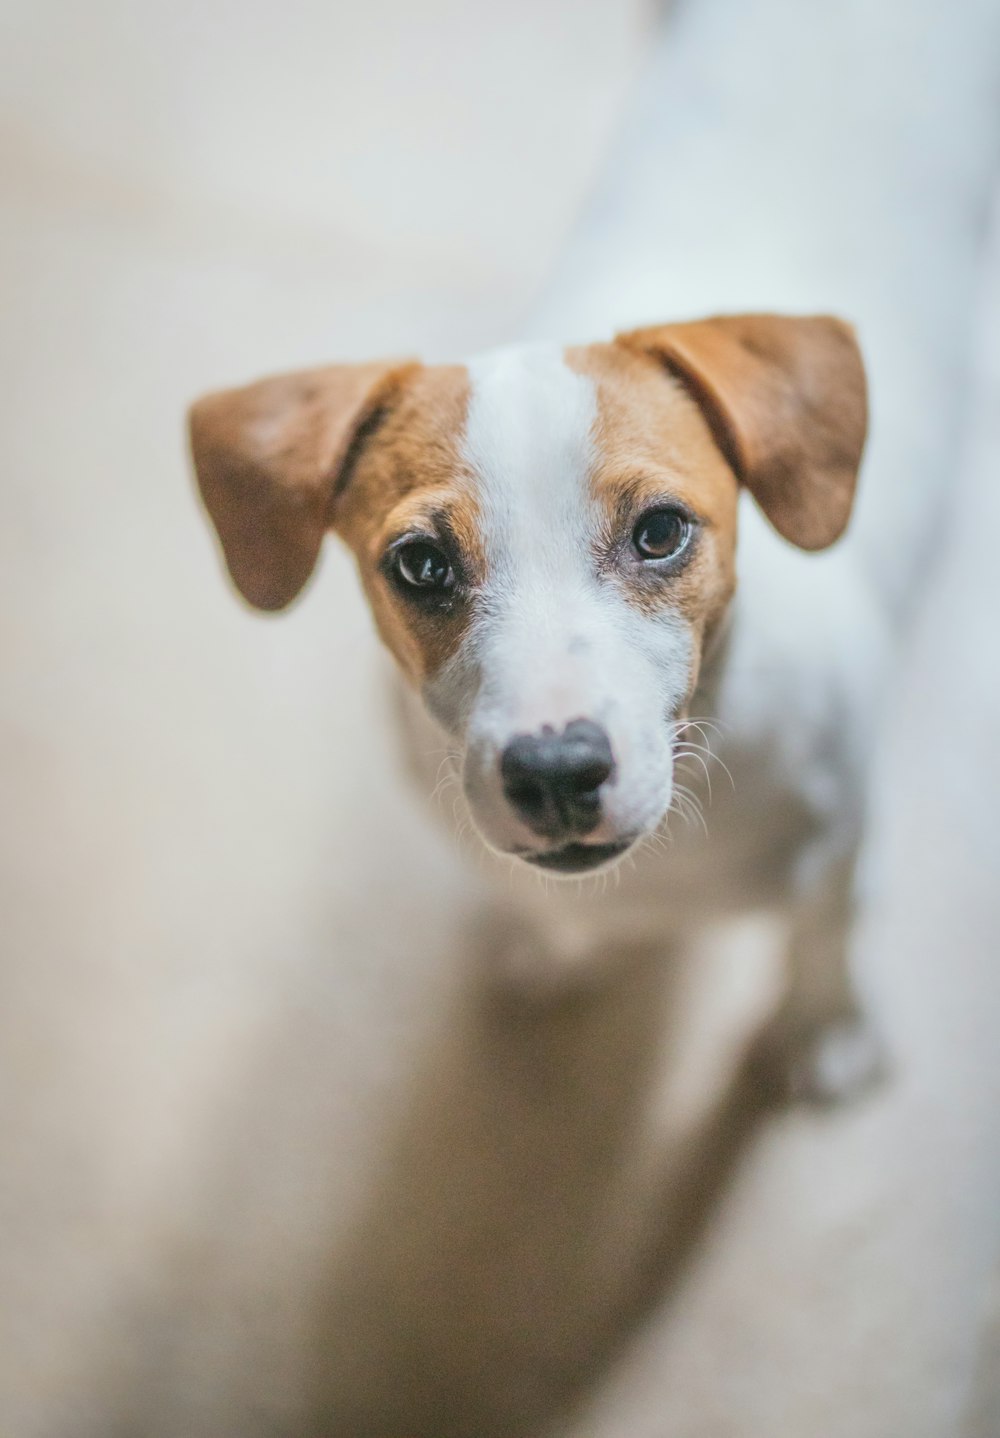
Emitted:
<point x="192" y="194"/>
<point x="227" y="933"/>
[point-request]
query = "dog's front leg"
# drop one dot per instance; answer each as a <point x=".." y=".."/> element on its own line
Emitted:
<point x="822" y="1043"/>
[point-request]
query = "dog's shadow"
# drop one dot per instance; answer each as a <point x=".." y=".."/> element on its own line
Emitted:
<point x="529" y="1209"/>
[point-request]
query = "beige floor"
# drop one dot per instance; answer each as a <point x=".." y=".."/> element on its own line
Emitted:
<point x="193" y="815"/>
<point x="229" y="937"/>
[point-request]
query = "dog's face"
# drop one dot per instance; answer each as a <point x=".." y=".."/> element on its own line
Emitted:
<point x="547" y="538"/>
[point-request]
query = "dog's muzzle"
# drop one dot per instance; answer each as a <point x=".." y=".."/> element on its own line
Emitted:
<point x="553" y="781"/>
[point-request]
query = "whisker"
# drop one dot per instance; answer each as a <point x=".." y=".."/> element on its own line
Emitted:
<point x="682" y="726"/>
<point x="688" y="805"/>
<point x="686" y="753"/>
<point x="701" y="725"/>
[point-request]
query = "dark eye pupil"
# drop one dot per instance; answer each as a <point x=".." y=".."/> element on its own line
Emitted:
<point x="660" y="534"/>
<point x="423" y="566"/>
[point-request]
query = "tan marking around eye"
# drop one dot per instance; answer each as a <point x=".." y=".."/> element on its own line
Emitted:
<point x="652" y="441"/>
<point x="411" y="471"/>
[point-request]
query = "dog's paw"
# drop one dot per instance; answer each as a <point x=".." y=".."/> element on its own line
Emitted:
<point x="824" y="1064"/>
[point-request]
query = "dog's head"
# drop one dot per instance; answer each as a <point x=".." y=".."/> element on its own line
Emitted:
<point x="547" y="538"/>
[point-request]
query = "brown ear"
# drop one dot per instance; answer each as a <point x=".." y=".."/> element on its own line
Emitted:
<point x="269" y="458"/>
<point x="786" y="400"/>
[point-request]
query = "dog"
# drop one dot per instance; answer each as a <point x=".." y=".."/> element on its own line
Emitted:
<point x="614" y="578"/>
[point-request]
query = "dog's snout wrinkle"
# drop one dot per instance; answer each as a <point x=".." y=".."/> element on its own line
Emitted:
<point x="553" y="779"/>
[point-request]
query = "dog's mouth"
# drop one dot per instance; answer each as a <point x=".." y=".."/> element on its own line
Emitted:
<point x="577" y="858"/>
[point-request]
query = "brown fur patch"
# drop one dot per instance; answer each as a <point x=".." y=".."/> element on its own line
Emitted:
<point x="412" y="476"/>
<point x="268" y="456"/>
<point x="786" y="399"/>
<point x="653" y="444"/>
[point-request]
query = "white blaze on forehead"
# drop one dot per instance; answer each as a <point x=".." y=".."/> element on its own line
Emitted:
<point x="529" y="442"/>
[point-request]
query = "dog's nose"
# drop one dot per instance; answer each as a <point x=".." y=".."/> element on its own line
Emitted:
<point x="554" y="780"/>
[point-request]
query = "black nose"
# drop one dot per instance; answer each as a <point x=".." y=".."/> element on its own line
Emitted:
<point x="553" y="780"/>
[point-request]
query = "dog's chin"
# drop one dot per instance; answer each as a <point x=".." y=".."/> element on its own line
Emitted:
<point x="577" y="858"/>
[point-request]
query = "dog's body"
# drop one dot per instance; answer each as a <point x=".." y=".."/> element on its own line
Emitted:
<point x="786" y="676"/>
<point x="772" y="779"/>
<point x="548" y="539"/>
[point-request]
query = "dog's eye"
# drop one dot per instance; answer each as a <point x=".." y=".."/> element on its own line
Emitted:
<point x="661" y="534"/>
<point x="420" y="565"/>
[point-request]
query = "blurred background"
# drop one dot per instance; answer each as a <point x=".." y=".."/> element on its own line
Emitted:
<point x="246" y="1103"/>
